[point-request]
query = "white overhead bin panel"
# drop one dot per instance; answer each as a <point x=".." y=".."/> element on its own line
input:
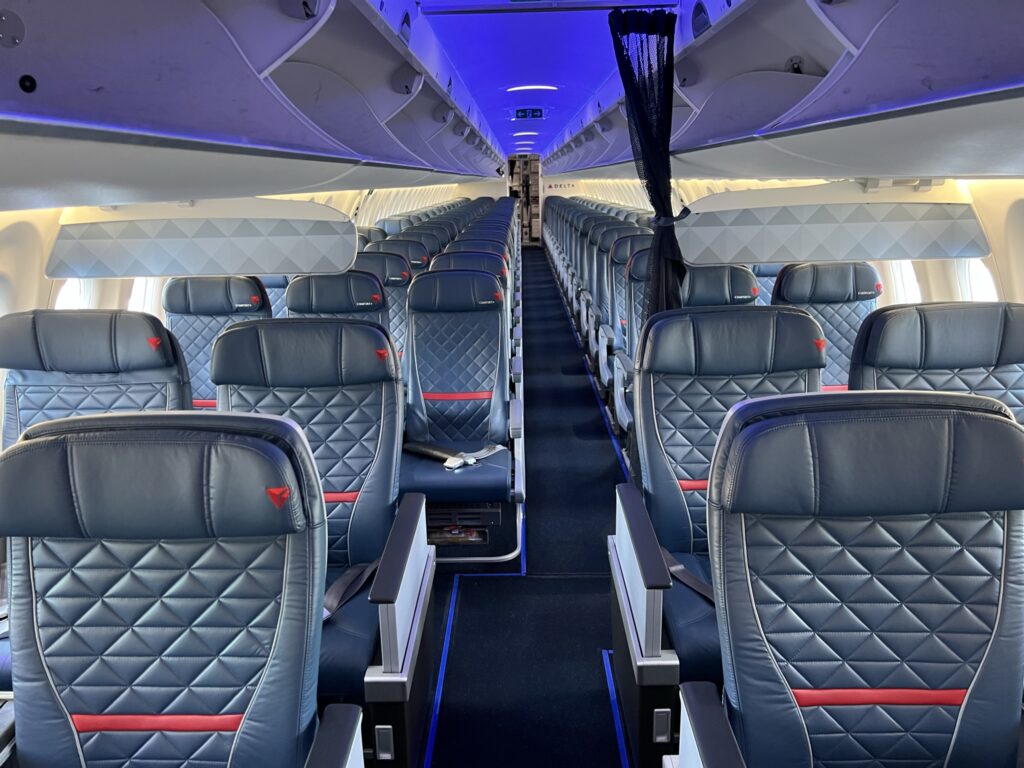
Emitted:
<point x="248" y="236"/>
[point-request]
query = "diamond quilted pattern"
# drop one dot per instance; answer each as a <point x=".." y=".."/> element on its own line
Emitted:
<point x="343" y="428"/>
<point x="848" y="603"/>
<point x="880" y="737"/>
<point x="765" y="286"/>
<point x="636" y="296"/>
<point x="840" y="322"/>
<point x="1003" y="382"/>
<point x="117" y="749"/>
<point x="689" y="412"/>
<point x="196" y="334"/>
<point x="277" y="305"/>
<point x="398" y="314"/>
<point x="131" y="627"/>
<point x="877" y="603"/>
<point x="38" y="402"/>
<point x="620" y="318"/>
<point x="457" y="352"/>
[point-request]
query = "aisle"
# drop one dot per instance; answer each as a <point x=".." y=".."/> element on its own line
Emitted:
<point x="524" y="678"/>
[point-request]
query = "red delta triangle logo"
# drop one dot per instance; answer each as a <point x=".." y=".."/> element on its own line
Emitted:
<point x="278" y="496"/>
<point x="154" y="342"/>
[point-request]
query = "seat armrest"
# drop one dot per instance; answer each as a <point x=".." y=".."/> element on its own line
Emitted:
<point x="706" y="739"/>
<point x="622" y="375"/>
<point x="517" y="369"/>
<point x="339" y="742"/>
<point x="398" y="585"/>
<point x="637" y="526"/>
<point x="516" y="428"/>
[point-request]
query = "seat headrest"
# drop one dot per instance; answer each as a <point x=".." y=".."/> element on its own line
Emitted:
<point x="214" y="295"/>
<point x="338" y="293"/>
<point x="941" y="336"/>
<point x="455" y="290"/>
<point x="718" y="285"/>
<point x="733" y="341"/>
<point x="766" y="270"/>
<point x="274" y="281"/>
<point x="868" y="454"/>
<point x="836" y="283"/>
<point x="415" y="251"/>
<point x="392" y="269"/>
<point x="637" y="265"/>
<point x="613" y="234"/>
<point x="303" y="352"/>
<point x="160" y="476"/>
<point x="84" y="341"/>
<point x="481" y="262"/>
<point x="624" y="247"/>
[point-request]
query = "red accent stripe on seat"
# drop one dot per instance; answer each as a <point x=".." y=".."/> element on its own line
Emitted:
<point x="834" y="388"/>
<point x="204" y="403"/>
<point x="457" y="395"/>
<point x="333" y="497"/>
<point x="693" y="485"/>
<point x="838" y="697"/>
<point x="192" y="723"/>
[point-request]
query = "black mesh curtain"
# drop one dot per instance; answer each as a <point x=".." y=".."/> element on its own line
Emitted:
<point x="644" y="47"/>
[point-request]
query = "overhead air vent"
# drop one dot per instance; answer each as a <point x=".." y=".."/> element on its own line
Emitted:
<point x="406" y="80"/>
<point x="443" y="113"/>
<point x="461" y="128"/>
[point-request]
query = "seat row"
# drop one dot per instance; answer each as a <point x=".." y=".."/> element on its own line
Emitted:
<point x="600" y="253"/>
<point x="696" y="364"/>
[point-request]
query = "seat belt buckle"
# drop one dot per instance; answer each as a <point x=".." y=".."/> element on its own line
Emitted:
<point x="458" y="462"/>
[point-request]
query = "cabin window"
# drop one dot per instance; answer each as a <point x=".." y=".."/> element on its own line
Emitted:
<point x="145" y="295"/>
<point x="905" y="288"/>
<point x="976" y="281"/>
<point x="74" y="294"/>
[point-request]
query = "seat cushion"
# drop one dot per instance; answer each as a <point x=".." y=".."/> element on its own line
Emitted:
<point x="488" y="480"/>
<point x="348" y="644"/>
<point x="690" y="622"/>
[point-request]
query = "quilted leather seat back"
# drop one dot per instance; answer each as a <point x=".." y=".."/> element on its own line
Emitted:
<point x="718" y="285"/>
<point x="63" y="363"/>
<point x="839" y="296"/>
<point x="355" y="295"/>
<point x="198" y="308"/>
<point x="603" y="287"/>
<point x="457" y="358"/>
<point x="693" y="366"/>
<point x="275" y="285"/>
<point x="866" y="554"/>
<point x="429" y="240"/>
<point x="636" y="296"/>
<point x="621" y="252"/>
<point x="953" y="347"/>
<point x="495" y="245"/>
<point x="415" y="251"/>
<point x="167" y="577"/>
<point x="395" y="273"/>
<point x="480" y="262"/>
<point x="339" y="381"/>
<point x="766" y="275"/>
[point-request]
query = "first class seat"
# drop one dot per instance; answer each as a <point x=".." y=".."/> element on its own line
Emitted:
<point x="358" y="295"/>
<point x="166" y="581"/>
<point x="395" y="274"/>
<point x="839" y="296"/>
<point x="199" y="308"/>
<point x="870" y="600"/>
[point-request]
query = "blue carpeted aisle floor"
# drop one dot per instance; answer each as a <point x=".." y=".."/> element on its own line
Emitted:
<point x="522" y="680"/>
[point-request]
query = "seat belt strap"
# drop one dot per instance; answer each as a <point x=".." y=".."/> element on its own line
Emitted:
<point x="451" y="459"/>
<point x="347" y="586"/>
<point x="688" y="578"/>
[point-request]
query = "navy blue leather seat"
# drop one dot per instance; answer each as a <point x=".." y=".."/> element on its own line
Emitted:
<point x="63" y="363"/>
<point x="395" y="273"/>
<point x="197" y="309"/>
<point x="457" y="384"/>
<point x="718" y="286"/>
<point x="766" y="275"/>
<point x="866" y="552"/>
<point x="166" y="587"/>
<point x="415" y="251"/>
<point x="973" y="347"/>
<point x="839" y="296"/>
<point x="276" y="285"/>
<point x="356" y="295"/>
<point x="694" y="365"/>
<point x="338" y="380"/>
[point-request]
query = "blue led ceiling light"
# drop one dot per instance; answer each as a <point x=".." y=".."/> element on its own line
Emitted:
<point x="517" y="88"/>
